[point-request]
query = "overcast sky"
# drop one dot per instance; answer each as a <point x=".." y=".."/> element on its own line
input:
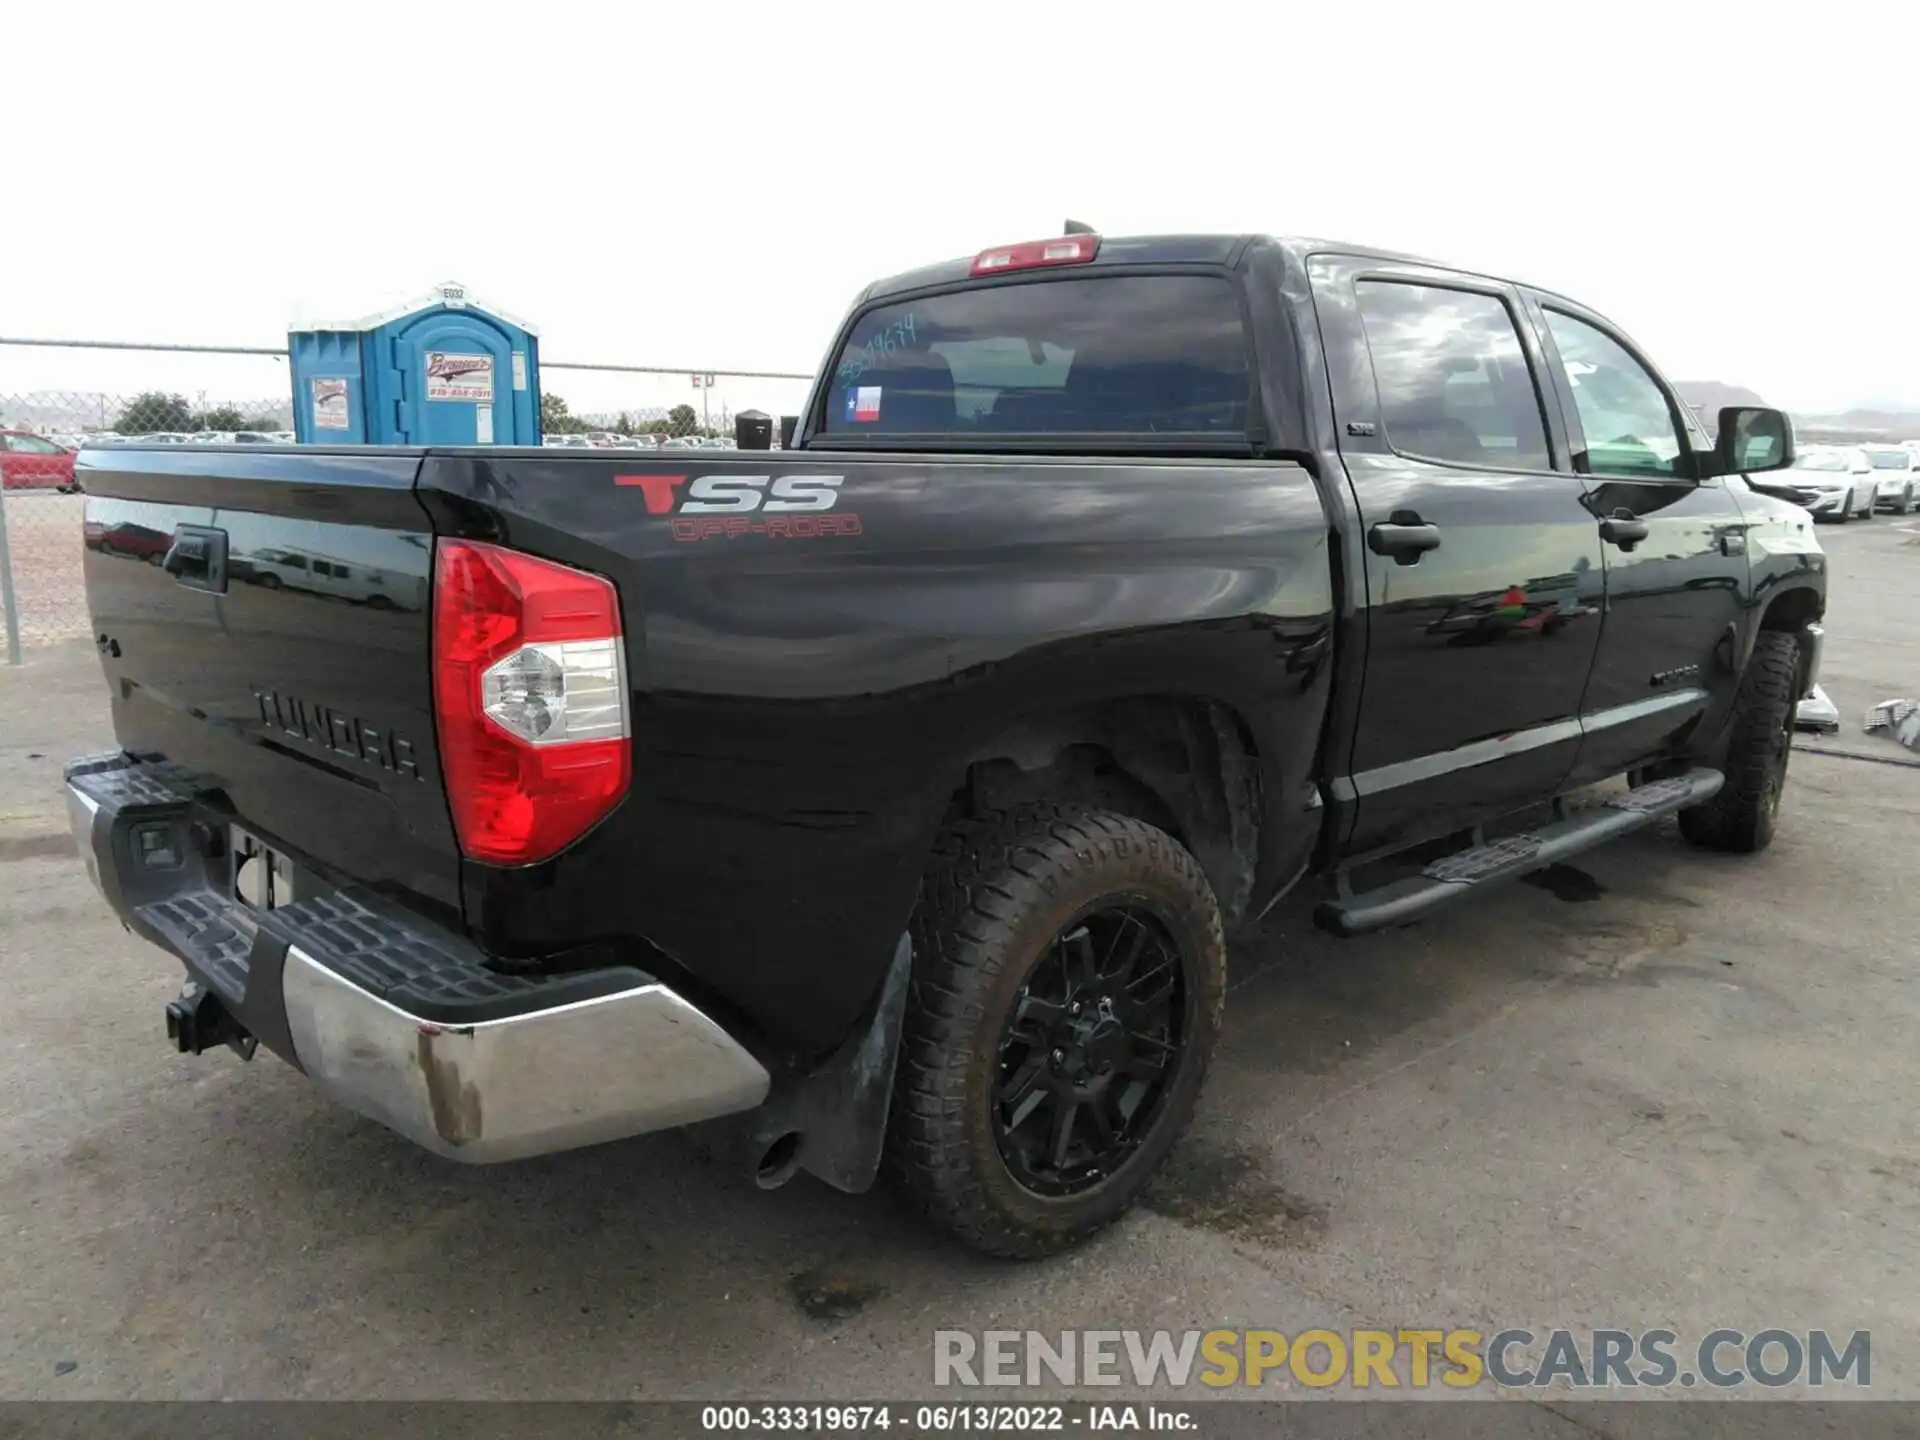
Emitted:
<point x="708" y="184"/>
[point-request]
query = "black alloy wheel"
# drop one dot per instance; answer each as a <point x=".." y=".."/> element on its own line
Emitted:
<point x="1068" y="984"/>
<point x="1095" y="1039"/>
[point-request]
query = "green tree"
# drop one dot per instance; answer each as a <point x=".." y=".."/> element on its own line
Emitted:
<point x="220" y="417"/>
<point x="683" y="420"/>
<point x="657" y="427"/>
<point x="154" y="410"/>
<point x="556" y="419"/>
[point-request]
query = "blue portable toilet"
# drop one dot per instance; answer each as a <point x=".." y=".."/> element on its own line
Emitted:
<point x="444" y="370"/>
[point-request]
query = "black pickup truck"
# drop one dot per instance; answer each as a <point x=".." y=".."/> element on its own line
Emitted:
<point x="883" y="800"/>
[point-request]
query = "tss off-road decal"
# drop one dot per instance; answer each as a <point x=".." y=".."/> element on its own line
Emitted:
<point x="711" y="507"/>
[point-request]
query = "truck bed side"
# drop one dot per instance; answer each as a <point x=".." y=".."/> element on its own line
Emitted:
<point x="811" y="683"/>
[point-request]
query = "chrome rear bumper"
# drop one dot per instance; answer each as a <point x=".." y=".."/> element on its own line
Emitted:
<point x="579" y="1074"/>
<point x="395" y="1017"/>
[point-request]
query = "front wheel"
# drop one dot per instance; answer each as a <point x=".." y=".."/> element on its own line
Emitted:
<point x="1742" y="816"/>
<point x="1069" y="977"/>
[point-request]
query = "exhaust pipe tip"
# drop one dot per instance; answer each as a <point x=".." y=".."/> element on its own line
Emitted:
<point x="779" y="1162"/>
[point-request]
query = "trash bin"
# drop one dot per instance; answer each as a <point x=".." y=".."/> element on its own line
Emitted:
<point x="753" y="430"/>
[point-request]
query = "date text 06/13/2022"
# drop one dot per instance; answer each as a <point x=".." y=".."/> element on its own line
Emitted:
<point x="950" y="1419"/>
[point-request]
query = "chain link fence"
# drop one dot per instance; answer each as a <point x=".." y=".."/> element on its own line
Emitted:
<point x="180" y="397"/>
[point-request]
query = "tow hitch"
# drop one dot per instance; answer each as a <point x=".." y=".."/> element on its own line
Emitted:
<point x="197" y="1022"/>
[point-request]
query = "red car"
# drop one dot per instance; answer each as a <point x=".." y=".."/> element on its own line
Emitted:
<point x="27" y="462"/>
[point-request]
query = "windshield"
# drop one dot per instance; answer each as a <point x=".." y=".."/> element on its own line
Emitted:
<point x="1889" y="459"/>
<point x="1820" y="461"/>
<point x="1162" y="354"/>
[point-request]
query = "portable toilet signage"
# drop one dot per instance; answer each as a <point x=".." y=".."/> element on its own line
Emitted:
<point x="444" y="370"/>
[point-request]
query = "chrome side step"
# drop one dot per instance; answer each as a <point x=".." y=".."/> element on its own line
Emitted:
<point x="1456" y="876"/>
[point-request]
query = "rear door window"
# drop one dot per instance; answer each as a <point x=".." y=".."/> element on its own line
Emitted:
<point x="1454" y="382"/>
<point x="1134" y="354"/>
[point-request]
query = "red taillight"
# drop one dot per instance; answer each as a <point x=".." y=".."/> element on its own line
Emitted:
<point x="1068" y="250"/>
<point x="530" y="689"/>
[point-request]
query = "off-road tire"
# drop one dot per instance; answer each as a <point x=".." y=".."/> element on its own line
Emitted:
<point x="1741" y="817"/>
<point x="995" y="895"/>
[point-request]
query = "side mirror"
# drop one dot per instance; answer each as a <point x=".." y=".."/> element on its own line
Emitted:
<point x="788" y="424"/>
<point x="1753" y="439"/>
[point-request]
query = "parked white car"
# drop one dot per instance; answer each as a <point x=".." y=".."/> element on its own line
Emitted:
<point x="1896" y="473"/>
<point x="1836" y="482"/>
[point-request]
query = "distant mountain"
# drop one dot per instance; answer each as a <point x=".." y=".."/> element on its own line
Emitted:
<point x="72" y="412"/>
<point x="1906" y="421"/>
<point x="1706" y="397"/>
<point x="1867" y="422"/>
<point x="1854" y="426"/>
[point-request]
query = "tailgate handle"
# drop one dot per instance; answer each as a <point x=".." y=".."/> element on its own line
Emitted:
<point x="197" y="558"/>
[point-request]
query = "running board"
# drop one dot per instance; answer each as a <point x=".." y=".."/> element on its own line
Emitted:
<point x="1456" y="876"/>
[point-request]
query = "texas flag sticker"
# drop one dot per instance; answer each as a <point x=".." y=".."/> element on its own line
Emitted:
<point x="863" y="405"/>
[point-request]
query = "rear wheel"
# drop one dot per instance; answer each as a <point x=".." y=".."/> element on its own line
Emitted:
<point x="1069" y="975"/>
<point x="1742" y="816"/>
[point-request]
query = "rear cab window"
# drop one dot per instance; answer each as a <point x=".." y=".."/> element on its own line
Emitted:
<point x="1118" y="354"/>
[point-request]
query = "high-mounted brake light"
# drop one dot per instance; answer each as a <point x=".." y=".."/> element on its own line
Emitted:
<point x="1068" y="250"/>
<point x="530" y="691"/>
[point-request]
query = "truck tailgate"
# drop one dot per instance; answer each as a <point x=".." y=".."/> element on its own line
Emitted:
<point x="262" y="616"/>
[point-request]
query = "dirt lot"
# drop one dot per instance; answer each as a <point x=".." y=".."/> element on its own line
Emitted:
<point x="1668" y="1088"/>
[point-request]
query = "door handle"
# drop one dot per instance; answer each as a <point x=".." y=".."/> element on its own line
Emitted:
<point x="1622" y="529"/>
<point x="1404" y="536"/>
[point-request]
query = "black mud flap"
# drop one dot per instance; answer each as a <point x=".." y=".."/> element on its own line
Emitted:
<point x="839" y="1108"/>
